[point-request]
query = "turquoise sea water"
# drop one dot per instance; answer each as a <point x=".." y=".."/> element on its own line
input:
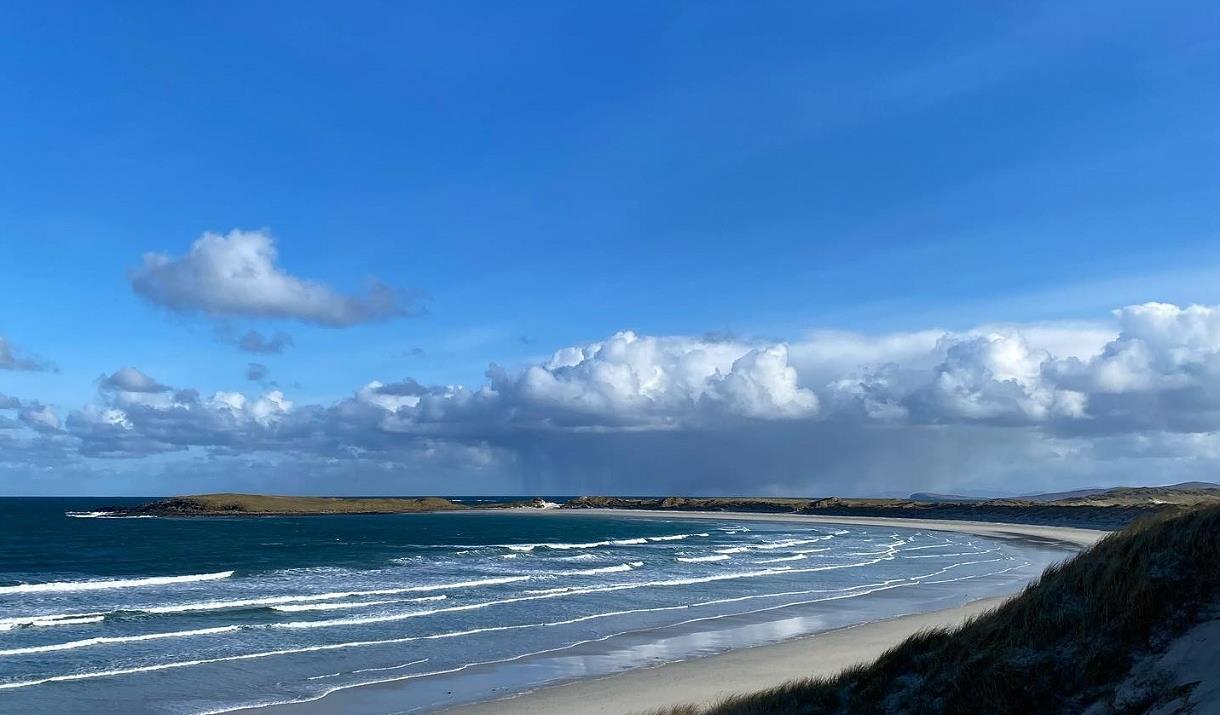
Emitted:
<point x="135" y="615"/>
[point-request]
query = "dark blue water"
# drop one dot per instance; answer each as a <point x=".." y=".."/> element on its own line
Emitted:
<point x="194" y="615"/>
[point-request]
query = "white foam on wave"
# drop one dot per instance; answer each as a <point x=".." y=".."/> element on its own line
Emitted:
<point x="931" y="546"/>
<point x="788" y="543"/>
<point x="703" y="559"/>
<point x="334" y="595"/>
<point x="267" y="601"/>
<point x="795" y="557"/>
<point x="51" y="619"/>
<point x="561" y="546"/>
<point x="105" y="515"/>
<point x="605" y="569"/>
<point x="773" y="545"/>
<point x="66" y="586"/>
<point x="272" y="601"/>
<point x="557" y="589"/>
<point x="674" y="537"/>
<point x="341" y="605"/>
<point x="391" y="667"/>
<point x="521" y="656"/>
<point x="945" y="556"/>
<point x="38" y="623"/>
<point x="850" y="592"/>
<point x="555" y="593"/>
<point x="105" y="640"/>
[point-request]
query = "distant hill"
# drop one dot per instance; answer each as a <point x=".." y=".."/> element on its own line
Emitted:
<point x="933" y="496"/>
<point x="1080" y="493"/>
<point x="1184" y="493"/>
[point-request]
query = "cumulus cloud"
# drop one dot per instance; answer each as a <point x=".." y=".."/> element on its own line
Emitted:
<point x="138" y="416"/>
<point x="39" y="417"/>
<point x="991" y="377"/>
<point x="12" y="358"/>
<point x="238" y="275"/>
<point x="631" y="380"/>
<point x="129" y="379"/>
<point x="625" y="383"/>
<point x="830" y="413"/>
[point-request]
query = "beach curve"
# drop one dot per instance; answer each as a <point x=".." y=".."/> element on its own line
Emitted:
<point x="709" y="678"/>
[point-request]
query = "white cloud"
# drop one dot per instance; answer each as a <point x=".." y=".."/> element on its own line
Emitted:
<point x="1160" y="347"/>
<point x="632" y="381"/>
<point x="11" y="358"/>
<point x="848" y="412"/>
<point x="129" y="379"/>
<point x="40" y="418"/>
<point x="237" y="275"/>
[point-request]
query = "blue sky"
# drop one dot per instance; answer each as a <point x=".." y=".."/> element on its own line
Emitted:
<point x="543" y="175"/>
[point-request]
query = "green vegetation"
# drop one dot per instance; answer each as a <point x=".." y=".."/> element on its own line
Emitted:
<point x="1061" y="646"/>
<point x="1104" y="509"/>
<point x="264" y="505"/>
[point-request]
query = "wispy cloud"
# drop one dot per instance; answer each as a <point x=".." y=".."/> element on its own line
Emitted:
<point x="12" y="358"/>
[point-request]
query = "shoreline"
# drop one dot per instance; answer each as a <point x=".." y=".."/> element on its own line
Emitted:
<point x="703" y="681"/>
<point x="1066" y="536"/>
<point x="708" y="678"/>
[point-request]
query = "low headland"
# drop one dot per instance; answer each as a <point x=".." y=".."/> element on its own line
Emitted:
<point x="1098" y="509"/>
<point x="229" y="504"/>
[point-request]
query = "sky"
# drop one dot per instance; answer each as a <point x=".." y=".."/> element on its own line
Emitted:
<point x="636" y="248"/>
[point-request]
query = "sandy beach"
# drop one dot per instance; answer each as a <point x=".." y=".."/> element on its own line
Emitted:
<point x="707" y="679"/>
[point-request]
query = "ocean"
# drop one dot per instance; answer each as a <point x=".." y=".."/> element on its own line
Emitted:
<point x="211" y="615"/>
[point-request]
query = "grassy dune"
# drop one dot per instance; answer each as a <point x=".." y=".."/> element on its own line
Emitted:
<point x="1062" y="646"/>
